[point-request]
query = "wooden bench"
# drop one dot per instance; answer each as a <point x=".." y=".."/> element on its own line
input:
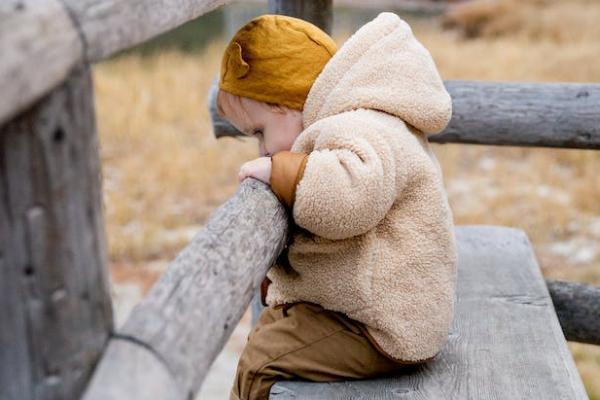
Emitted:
<point x="506" y="341"/>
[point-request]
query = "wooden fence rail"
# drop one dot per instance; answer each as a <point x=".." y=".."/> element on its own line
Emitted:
<point x="577" y="306"/>
<point x="167" y="345"/>
<point x="565" y="115"/>
<point x="42" y="40"/>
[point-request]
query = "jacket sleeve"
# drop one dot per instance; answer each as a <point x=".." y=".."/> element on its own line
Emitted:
<point x="286" y="170"/>
<point x="349" y="181"/>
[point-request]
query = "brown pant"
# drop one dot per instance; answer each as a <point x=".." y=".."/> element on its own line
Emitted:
<point x="307" y="342"/>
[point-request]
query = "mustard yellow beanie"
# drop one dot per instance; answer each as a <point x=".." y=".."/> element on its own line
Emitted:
<point x="275" y="58"/>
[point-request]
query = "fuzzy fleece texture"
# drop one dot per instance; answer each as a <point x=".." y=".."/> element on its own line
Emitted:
<point x="373" y="232"/>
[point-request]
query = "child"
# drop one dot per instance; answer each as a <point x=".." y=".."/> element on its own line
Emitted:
<point x="367" y="284"/>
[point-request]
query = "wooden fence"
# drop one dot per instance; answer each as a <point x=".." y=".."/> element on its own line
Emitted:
<point x="57" y="334"/>
<point x="511" y="114"/>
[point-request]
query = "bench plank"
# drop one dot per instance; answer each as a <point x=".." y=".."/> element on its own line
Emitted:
<point x="505" y="343"/>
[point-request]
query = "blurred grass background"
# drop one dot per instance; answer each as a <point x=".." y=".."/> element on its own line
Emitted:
<point x="164" y="172"/>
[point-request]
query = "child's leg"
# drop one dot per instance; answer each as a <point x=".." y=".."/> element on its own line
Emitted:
<point x="305" y="342"/>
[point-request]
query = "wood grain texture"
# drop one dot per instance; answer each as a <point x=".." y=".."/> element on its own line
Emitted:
<point x="130" y="370"/>
<point x="524" y="114"/>
<point x="505" y="343"/>
<point x="192" y="310"/>
<point x="578" y="308"/>
<point x="508" y="114"/>
<point x="56" y="311"/>
<point x="41" y="40"/>
<point x="109" y="26"/>
<point x="38" y="47"/>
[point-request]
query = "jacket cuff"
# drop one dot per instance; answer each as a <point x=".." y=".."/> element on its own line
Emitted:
<point x="287" y="169"/>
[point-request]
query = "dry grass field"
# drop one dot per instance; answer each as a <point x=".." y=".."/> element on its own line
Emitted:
<point x="164" y="172"/>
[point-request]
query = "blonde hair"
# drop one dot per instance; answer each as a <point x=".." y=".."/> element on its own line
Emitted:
<point x="235" y="102"/>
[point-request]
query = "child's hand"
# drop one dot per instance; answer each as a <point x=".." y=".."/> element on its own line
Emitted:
<point x="259" y="168"/>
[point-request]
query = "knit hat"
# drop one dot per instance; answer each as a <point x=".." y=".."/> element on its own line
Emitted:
<point x="275" y="59"/>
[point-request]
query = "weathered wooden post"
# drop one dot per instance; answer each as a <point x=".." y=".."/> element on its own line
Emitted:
<point x="318" y="12"/>
<point x="56" y="310"/>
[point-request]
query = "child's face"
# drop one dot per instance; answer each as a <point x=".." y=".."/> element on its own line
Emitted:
<point x="275" y="131"/>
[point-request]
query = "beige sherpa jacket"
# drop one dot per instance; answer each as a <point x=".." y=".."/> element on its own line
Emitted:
<point x="373" y="235"/>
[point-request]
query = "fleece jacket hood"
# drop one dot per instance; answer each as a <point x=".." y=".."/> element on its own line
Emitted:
<point x="383" y="67"/>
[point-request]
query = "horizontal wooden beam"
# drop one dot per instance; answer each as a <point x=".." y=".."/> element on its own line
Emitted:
<point x="39" y="46"/>
<point x="41" y="40"/>
<point x="563" y="115"/>
<point x="578" y="308"/>
<point x="167" y="345"/>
